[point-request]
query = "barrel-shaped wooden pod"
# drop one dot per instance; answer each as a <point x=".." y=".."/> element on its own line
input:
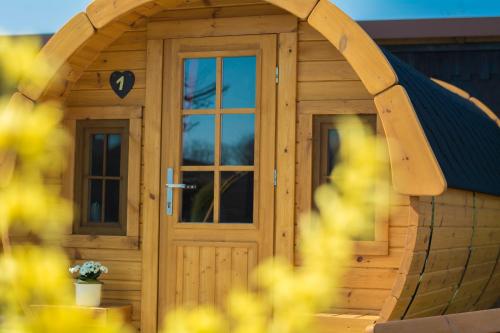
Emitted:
<point x="436" y="251"/>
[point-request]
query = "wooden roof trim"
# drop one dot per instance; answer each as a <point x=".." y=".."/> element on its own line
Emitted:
<point x="56" y="52"/>
<point x="415" y="169"/>
<point x="454" y="89"/>
<point x="300" y="8"/>
<point x="489" y="112"/>
<point x="104" y="12"/>
<point x="366" y="58"/>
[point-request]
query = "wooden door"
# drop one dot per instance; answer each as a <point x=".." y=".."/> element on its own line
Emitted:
<point x="218" y="160"/>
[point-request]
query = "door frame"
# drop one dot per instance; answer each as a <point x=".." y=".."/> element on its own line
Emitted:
<point x="285" y="162"/>
<point x="172" y="232"/>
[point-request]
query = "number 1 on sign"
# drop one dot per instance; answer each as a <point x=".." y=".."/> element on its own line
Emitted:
<point x="121" y="82"/>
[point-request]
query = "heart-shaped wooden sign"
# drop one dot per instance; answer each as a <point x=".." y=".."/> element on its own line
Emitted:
<point x="122" y="82"/>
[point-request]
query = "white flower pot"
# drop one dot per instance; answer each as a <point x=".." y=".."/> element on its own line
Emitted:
<point x="88" y="294"/>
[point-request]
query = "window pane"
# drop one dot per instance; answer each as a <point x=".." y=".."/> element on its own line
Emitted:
<point x="236" y="204"/>
<point x="112" y="200"/>
<point x="198" y="140"/>
<point x="198" y="203"/>
<point x="333" y="149"/>
<point x="238" y="82"/>
<point x="96" y="154"/>
<point x="238" y="137"/>
<point x="113" y="155"/>
<point x="200" y="83"/>
<point x="95" y="200"/>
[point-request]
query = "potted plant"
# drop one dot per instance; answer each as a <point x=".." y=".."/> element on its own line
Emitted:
<point x="88" y="288"/>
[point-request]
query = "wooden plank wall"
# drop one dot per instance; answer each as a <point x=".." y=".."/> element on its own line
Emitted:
<point x="327" y="85"/>
<point x="123" y="283"/>
<point x="455" y="256"/>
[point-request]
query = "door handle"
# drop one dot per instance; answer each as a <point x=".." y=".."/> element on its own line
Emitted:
<point x="181" y="186"/>
<point x="170" y="190"/>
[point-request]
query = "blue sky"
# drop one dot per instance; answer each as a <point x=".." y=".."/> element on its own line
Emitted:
<point x="46" y="16"/>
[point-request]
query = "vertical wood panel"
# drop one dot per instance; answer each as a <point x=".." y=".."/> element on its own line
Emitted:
<point x="286" y="136"/>
<point x="191" y="275"/>
<point x="151" y="193"/>
<point x="239" y="263"/>
<point x="179" y="271"/>
<point x="222" y="274"/>
<point x="207" y="275"/>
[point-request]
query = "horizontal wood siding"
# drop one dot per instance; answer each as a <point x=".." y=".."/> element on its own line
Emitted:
<point x="122" y="284"/>
<point x="327" y="85"/>
<point x="456" y="245"/>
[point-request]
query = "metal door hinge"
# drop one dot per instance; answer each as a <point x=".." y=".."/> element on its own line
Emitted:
<point x="275" y="178"/>
<point x="277" y="74"/>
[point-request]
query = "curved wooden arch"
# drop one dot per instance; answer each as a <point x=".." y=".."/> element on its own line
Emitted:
<point x="104" y="21"/>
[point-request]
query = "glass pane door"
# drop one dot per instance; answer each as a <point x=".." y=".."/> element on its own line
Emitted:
<point x="219" y="119"/>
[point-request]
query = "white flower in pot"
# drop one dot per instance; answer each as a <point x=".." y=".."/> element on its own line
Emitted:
<point x="88" y="288"/>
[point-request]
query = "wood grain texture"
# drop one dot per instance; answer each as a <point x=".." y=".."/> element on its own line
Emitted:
<point x="286" y="140"/>
<point x="222" y="26"/>
<point x="415" y="169"/>
<point x="355" y="45"/>
<point x="55" y="53"/>
<point x="151" y="189"/>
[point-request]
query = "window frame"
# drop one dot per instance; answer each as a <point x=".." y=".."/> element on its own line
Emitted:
<point x="321" y="121"/>
<point x="129" y="239"/>
<point x="84" y="130"/>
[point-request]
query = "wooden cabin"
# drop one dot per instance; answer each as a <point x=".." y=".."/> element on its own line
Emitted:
<point x="201" y="128"/>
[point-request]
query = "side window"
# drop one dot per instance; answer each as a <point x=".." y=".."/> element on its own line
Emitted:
<point x="326" y="148"/>
<point x="101" y="174"/>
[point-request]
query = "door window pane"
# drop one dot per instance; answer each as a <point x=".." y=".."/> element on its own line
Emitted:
<point x="96" y="154"/>
<point x="198" y="140"/>
<point x="198" y="203"/>
<point x="95" y="200"/>
<point x="236" y="197"/>
<point x="199" y="83"/>
<point x="113" y="155"/>
<point x="238" y="137"/>
<point x="238" y="82"/>
<point x="112" y="199"/>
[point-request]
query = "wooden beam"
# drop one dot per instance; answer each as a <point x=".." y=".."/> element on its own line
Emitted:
<point x="55" y="53"/>
<point x="103" y="12"/>
<point x="354" y="43"/>
<point x="286" y="145"/>
<point x="252" y="25"/>
<point x="103" y="112"/>
<point x="415" y="170"/>
<point x="151" y="190"/>
<point x="300" y="8"/>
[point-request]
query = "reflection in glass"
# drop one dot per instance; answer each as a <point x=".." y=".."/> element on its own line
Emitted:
<point x="238" y="82"/>
<point x="199" y="83"/>
<point x="333" y="149"/>
<point x="113" y="155"/>
<point x="238" y="137"/>
<point x="198" y="140"/>
<point x="96" y="154"/>
<point x="112" y="199"/>
<point x="236" y="197"/>
<point x="198" y="203"/>
<point x="95" y="200"/>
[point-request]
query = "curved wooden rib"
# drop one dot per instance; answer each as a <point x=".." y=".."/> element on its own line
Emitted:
<point x="56" y="52"/>
<point x="356" y="46"/>
<point x="300" y="8"/>
<point x="415" y="170"/>
<point x="489" y="112"/>
<point x="452" y="88"/>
